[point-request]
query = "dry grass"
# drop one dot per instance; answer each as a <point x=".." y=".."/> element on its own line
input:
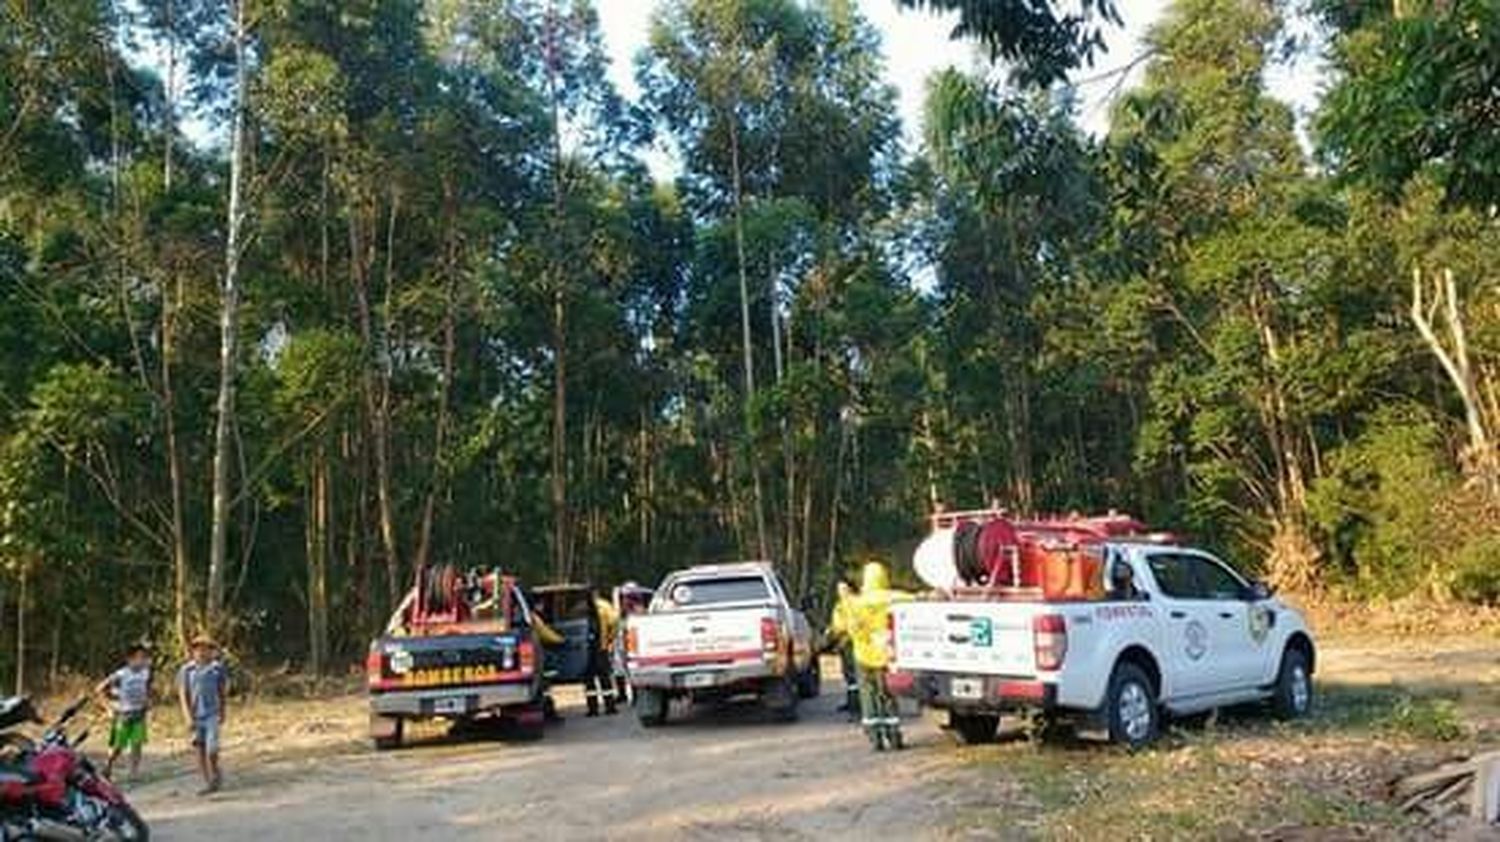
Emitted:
<point x="1388" y="707"/>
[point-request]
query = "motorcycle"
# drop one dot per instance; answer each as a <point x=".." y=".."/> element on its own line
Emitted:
<point x="50" y="790"/>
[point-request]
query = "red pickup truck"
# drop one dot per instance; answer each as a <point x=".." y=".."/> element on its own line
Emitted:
<point x="460" y="647"/>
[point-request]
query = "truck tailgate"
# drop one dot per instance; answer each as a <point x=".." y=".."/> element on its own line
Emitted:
<point x="980" y="638"/>
<point x="450" y="660"/>
<point x="707" y="636"/>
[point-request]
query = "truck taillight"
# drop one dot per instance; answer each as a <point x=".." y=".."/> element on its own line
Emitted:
<point x="890" y="634"/>
<point x="632" y="641"/>
<point x="770" y="636"/>
<point x="526" y="656"/>
<point x="1050" y="635"/>
<point x="373" y="664"/>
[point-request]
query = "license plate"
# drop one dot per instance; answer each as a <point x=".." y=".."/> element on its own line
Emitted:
<point x="967" y="688"/>
<point x="698" y="679"/>
<point x="452" y="705"/>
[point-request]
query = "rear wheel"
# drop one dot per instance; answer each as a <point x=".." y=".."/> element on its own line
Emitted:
<point x="1130" y="707"/>
<point x="780" y="698"/>
<point x="1294" y="693"/>
<point x="810" y="682"/>
<point x="386" y="732"/>
<point x="974" y="728"/>
<point x="650" y="707"/>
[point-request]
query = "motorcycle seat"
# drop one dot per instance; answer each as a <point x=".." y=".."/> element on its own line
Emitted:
<point x="15" y="710"/>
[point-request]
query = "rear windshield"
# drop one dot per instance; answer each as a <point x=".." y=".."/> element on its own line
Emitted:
<point x="711" y="591"/>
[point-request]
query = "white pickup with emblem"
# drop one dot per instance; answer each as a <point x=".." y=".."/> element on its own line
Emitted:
<point x="1189" y="635"/>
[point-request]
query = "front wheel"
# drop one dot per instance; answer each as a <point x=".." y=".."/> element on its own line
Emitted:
<point x="1294" y="692"/>
<point x="1130" y="707"/>
<point x="974" y="728"/>
<point x="126" y="825"/>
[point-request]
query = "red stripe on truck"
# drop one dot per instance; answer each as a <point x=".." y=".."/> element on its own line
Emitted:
<point x="701" y="658"/>
<point x="1030" y="690"/>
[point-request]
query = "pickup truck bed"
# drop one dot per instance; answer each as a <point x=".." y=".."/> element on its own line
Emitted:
<point x="460" y="671"/>
<point x="716" y="631"/>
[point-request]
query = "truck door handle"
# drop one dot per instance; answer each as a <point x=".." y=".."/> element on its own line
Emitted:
<point x="1226" y="615"/>
<point x="1179" y="615"/>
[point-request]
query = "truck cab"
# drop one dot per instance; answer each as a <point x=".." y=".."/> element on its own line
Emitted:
<point x="1168" y="629"/>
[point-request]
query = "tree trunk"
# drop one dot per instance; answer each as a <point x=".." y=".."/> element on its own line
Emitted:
<point x="562" y="557"/>
<point x="229" y="335"/>
<point x="170" y="116"/>
<point x="21" y="631"/>
<point x="180" y="567"/>
<point x="375" y="380"/>
<point x="1452" y="353"/>
<point x="445" y="390"/>
<point x="763" y="548"/>
<point x="317" y="563"/>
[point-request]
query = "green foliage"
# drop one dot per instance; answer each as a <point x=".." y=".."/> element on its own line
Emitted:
<point x="1413" y="90"/>
<point x="447" y="215"/>
<point x="1044" y="40"/>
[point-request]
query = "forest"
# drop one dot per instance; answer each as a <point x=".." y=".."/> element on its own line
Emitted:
<point x="297" y="296"/>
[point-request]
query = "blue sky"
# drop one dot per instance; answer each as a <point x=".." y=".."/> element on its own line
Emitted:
<point x="917" y="44"/>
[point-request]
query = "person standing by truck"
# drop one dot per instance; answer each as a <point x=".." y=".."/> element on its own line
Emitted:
<point x="600" y="685"/>
<point x="839" y="626"/>
<point x="870" y="613"/>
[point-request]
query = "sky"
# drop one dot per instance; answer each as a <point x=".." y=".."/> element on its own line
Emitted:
<point x="917" y="44"/>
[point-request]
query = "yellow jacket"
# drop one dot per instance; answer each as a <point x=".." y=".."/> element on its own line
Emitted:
<point x="869" y="617"/>
<point x="841" y="623"/>
<point x="547" y="635"/>
<point x="609" y="623"/>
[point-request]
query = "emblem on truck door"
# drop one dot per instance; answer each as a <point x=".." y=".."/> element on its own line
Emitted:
<point x="1196" y="635"/>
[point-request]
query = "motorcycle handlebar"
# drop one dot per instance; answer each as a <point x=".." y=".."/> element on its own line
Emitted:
<point x="71" y="711"/>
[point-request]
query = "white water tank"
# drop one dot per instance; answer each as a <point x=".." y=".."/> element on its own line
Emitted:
<point x="933" y="560"/>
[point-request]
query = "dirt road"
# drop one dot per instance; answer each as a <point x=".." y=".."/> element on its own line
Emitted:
<point x="301" y="770"/>
<point x="712" y="773"/>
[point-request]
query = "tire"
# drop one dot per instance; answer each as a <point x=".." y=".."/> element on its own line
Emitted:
<point x="126" y="824"/>
<point x="650" y="707"/>
<point x="810" y="682"/>
<point x="393" y="741"/>
<point x="1131" y="710"/>
<point x="780" y="698"/>
<point x="974" y="729"/>
<point x="1293" y="696"/>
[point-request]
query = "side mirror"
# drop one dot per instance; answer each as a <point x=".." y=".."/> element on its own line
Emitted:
<point x="1260" y="591"/>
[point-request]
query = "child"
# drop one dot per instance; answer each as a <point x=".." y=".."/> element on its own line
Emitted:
<point x="203" y="689"/>
<point x="130" y="689"/>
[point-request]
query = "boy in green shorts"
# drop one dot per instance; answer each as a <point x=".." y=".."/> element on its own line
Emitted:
<point x="129" y="687"/>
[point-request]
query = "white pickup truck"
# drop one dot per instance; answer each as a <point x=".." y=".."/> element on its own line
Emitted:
<point x="716" y="631"/>
<point x="1177" y="631"/>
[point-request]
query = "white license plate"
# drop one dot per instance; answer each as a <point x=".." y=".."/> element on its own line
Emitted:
<point x="967" y="688"/>
<point x="454" y="705"/>
<point x="698" y="679"/>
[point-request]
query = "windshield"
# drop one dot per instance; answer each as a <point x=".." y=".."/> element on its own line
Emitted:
<point x="696" y="592"/>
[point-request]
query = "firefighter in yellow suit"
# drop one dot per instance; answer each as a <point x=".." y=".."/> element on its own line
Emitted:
<point x="600" y="685"/>
<point x="839" y="626"/>
<point x="869" y="619"/>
